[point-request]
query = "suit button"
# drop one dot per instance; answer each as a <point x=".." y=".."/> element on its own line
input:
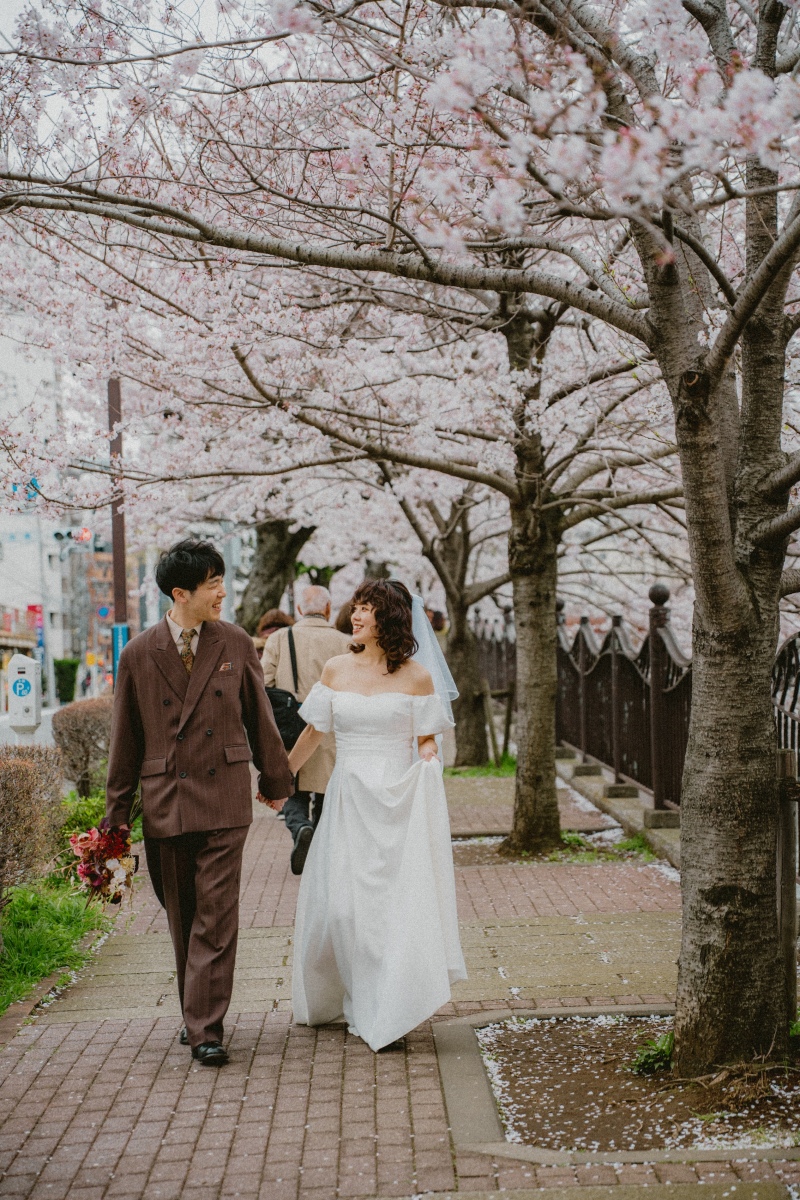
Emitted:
<point x="181" y="736"/>
<point x="209" y="732"/>
<point x="183" y="774"/>
<point x="218" y="692"/>
<point x="212" y="771"/>
<point x="167" y="702"/>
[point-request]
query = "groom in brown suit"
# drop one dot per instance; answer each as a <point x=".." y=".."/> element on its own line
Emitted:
<point x="190" y="712"/>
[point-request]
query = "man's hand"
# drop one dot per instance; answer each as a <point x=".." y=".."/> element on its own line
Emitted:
<point x="275" y="805"/>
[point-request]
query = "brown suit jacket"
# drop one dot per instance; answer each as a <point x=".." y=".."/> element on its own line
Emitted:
<point x="186" y="737"/>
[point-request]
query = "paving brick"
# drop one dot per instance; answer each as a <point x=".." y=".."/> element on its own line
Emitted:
<point x="323" y="1117"/>
<point x="675" y="1173"/>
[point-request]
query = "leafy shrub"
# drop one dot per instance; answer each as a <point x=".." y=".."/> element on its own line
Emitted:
<point x="655" y="1055"/>
<point x="82" y="731"/>
<point x="66" y="673"/>
<point x="30" y="812"/>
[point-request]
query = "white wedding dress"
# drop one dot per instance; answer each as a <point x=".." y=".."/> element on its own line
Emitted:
<point x="376" y="933"/>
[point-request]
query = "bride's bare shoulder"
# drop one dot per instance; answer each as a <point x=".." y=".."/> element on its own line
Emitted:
<point x="416" y="679"/>
<point x="334" y="668"/>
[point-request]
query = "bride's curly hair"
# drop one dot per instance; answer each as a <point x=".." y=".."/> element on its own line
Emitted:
<point x="390" y="600"/>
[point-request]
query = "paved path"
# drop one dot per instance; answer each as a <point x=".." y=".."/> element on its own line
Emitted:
<point x="98" y="1099"/>
<point x="485" y="806"/>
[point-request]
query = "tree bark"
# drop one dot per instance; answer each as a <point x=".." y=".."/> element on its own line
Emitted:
<point x="730" y="1002"/>
<point x="276" y="550"/>
<point x="472" y="748"/>
<point x="532" y="555"/>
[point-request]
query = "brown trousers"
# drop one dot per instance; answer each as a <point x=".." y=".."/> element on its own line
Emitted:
<point x="201" y="873"/>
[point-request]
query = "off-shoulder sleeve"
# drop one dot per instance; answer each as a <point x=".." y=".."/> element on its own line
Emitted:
<point x="317" y="708"/>
<point x="430" y="716"/>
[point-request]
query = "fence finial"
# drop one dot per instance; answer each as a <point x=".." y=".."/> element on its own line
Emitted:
<point x="659" y="594"/>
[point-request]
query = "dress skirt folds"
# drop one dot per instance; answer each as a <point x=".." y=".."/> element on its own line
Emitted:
<point x="376" y="934"/>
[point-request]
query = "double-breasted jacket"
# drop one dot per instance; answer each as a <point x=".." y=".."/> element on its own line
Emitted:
<point x="190" y="739"/>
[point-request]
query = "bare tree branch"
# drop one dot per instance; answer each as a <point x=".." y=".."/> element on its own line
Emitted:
<point x="790" y="583"/>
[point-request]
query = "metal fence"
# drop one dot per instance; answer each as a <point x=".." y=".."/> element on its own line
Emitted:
<point x="629" y="708"/>
<point x="497" y="653"/>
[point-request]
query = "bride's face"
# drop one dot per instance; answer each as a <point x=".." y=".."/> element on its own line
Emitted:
<point x="365" y="628"/>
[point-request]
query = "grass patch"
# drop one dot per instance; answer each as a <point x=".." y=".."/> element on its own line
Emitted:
<point x="637" y="844"/>
<point x="578" y="849"/>
<point x="42" y="926"/>
<point x="507" y="767"/>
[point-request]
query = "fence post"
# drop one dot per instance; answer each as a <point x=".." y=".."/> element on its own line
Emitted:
<point x="786" y="865"/>
<point x="659" y="618"/>
<point x="616" y="700"/>
<point x="582" y="689"/>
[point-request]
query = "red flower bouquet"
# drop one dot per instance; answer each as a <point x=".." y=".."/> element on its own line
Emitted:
<point x="106" y="866"/>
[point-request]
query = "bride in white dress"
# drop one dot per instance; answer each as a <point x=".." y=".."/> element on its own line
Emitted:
<point x="376" y="933"/>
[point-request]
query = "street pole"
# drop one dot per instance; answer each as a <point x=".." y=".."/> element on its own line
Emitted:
<point x="47" y="643"/>
<point x="120" y="632"/>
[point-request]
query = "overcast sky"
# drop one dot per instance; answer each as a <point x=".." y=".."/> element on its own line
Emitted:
<point x="8" y="14"/>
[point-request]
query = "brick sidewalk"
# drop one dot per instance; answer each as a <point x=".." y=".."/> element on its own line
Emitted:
<point x="99" y="1108"/>
<point x="485" y="806"/>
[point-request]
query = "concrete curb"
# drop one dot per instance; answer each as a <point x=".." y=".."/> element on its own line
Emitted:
<point x="631" y="1191"/>
<point x="474" y="1121"/>
<point x="627" y="810"/>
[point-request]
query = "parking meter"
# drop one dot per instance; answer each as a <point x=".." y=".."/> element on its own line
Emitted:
<point x="24" y="693"/>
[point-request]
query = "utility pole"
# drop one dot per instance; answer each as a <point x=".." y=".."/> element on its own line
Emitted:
<point x="120" y="632"/>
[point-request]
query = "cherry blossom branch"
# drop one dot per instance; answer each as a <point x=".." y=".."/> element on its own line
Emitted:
<point x="407" y="266"/>
<point x="783" y="250"/>
<point x="378" y="451"/>
<point x="594" y="508"/>
<point x="596" y="376"/>
<point x="609" y="462"/>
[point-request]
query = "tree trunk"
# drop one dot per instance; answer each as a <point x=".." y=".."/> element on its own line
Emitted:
<point x="472" y="748"/>
<point x="276" y="550"/>
<point x="730" y="990"/>
<point x="533" y="544"/>
<point x="376" y="569"/>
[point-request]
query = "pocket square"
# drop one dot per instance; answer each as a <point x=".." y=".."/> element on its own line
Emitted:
<point x="226" y="667"/>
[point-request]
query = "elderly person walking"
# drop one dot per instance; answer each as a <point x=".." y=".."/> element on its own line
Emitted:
<point x="315" y="642"/>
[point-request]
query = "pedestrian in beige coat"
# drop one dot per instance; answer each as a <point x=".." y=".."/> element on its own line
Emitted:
<point x="315" y="642"/>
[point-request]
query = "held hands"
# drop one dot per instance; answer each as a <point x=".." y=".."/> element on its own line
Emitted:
<point x="275" y="805"/>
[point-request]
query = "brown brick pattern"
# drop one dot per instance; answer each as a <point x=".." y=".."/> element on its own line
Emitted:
<point x="116" y="1110"/>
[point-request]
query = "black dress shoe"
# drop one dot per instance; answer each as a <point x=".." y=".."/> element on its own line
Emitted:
<point x="184" y="1037"/>
<point x="210" y="1054"/>
<point x="301" y="846"/>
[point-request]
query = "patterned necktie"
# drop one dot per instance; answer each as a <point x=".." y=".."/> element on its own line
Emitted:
<point x="187" y="657"/>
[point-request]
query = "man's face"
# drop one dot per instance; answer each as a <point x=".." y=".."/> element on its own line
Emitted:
<point x="205" y="602"/>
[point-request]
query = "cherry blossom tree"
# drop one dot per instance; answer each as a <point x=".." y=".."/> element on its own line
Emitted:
<point x="625" y="164"/>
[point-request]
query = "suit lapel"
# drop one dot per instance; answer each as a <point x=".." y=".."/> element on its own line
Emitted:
<point x="168" y="660"/>
<point x="209" y="648"/>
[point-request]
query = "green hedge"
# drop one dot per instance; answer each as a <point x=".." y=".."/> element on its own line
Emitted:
<point x="66" y="672"/>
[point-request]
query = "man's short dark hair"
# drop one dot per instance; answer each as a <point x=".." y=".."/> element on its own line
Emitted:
<point x="187" y="564"/>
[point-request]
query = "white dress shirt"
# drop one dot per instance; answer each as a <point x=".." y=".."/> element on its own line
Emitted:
<point x="176" y="631"/>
